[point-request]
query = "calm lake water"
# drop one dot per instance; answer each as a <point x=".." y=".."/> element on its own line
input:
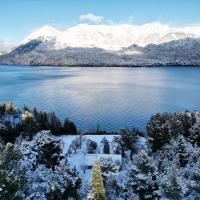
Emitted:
<point x="111" y="97"/>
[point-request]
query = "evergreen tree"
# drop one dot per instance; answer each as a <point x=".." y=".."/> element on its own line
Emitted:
<point x="55" y="124"/>
<point x="172" y="188"/>
<point x="69" y="127"/>
<point x="74" y="184"/>
<point x="196" y="179"/>
<point x="26" y="108"/>
<point x="11" y="174"/>
<point x="142" y="178"/>
<point x="49" y="149"/>
<point x="2" y="109"/>
<point x="42" y="120"/>
<point x="106" y="146"/>
<point x="129" y="140"/>
<point x="182" y="152"/>
<point x="97" y="191"/>
<point x="158" y="131"/>
<point x="176" y="127"/>
<point x="108" y="166"/>
<point x="28" y="125"/>
<point x="194" y="135"/>
<point x="91" y="146"/>
<point x="187" y="120"/>
<point x="54" y="193"/>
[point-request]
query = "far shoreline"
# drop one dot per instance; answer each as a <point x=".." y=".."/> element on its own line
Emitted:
<point x="105" y="66"/>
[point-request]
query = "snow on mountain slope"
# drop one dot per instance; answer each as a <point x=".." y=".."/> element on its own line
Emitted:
<point x="110" y="37"/>
<point x="178" y="52"/>
<point x="175" y="36"/>
<point x="44" y="33"/>
<point x="108" y="45"/>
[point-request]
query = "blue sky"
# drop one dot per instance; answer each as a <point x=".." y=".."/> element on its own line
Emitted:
<point x="19" y="17"/>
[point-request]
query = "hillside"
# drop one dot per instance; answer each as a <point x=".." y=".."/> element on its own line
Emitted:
<point x="38" y="52"/>
<point x="151" y="44"/>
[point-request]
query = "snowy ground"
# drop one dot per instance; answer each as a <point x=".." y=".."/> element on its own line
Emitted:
<point x="78" y="158"/>
<point x="67" y="140"/>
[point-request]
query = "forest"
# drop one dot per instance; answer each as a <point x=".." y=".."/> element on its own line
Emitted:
<point x="160" y="163"/>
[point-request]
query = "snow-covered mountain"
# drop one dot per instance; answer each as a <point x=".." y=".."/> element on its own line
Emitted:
<point x="110" y="37"/>
<point x="45" y="33"/>
<point x="36" y="52"/>
<point x="108" y="45"/>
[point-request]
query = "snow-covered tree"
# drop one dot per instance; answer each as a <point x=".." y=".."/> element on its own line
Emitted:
<point x="12" y="178"/>
<point x="142" y="179"/>
<point x="97" y="191"/>
<point x="158" y="131"/>
<point x="75" y="145"/>
<point x="194" y="175"/>
<point x="129" y="138"/>
<point x="106" y="146"/>
<point x="195" y="134"/>
<point x="108" y="166"/>
<point x="91" y="146"/>
<point x="117" y="145"/>
<point x="182" y="152"/>
<point x="47" y="171"/>
<point x="171" y="187"/>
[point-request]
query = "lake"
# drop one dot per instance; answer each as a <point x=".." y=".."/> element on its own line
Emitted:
<point x="112" y="98"/>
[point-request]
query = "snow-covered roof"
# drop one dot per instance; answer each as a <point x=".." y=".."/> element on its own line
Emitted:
<point x="90" y="159"/>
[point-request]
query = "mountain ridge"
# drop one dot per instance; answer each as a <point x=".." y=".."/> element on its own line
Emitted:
<point x="110" y="37"/>
<point x="152" y="44"/>
<point x="37" y="52"/>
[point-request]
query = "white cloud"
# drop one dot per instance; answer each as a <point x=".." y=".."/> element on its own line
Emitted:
<point x="6" y="46"/>
<point x="91" y="18"/>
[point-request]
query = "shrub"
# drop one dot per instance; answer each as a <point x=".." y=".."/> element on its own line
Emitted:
<point x="91" y="146"/>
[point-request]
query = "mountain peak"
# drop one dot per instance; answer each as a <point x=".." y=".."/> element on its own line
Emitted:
<point x="110" y="37"/>
<point x="46" y="32"/>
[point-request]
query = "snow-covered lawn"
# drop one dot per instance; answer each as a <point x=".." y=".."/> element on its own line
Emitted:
<point x="78" y="158"/>
<point x="83" y="160"/>
<point x="67" y="140"/>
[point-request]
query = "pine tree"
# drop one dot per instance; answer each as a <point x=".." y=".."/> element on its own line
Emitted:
<point x="69" y="127"/>
<point x="196" y="178"/>
<point x="158" y="131"/>
<point x="91" y="146"/>
<point x="172" y="188"/>
<point x="176" y="127"/>
<point x="195" y="134"/>
<point x="182" y="152"/>
<point x="106" y="146"/>
<point x="11" y="174"/>
<point x="187" y="122"/>
<point x="97" y="191"/>
<point x="142" y="178"/>
<point x="26" y="108"/>
<point x="55" y="124"/>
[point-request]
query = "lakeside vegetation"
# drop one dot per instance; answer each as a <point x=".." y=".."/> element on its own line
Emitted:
<point x="33" y="165"/>
<point x="30" y="121"/>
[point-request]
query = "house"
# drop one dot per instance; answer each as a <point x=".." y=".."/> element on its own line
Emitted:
<point x="90" y="159"/>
